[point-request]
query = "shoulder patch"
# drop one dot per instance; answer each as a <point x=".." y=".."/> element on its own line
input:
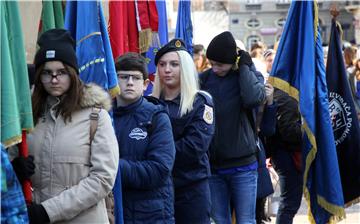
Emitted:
<point x="208" y="115"/>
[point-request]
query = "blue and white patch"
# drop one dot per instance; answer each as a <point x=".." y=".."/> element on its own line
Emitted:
<point x="138" y="133"/>
<point x="50" y="54"/>
<point x="208" y="115"/>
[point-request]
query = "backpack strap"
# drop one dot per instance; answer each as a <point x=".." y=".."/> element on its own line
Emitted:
<point x="94" y="118"/>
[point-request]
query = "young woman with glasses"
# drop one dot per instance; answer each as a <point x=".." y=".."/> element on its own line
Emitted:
<point x="73" y="172"/>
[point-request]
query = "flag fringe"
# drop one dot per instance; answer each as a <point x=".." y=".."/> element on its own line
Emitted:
<point x="307" y="199"/>
<point x="284" y="86"/>
<point x="12" y="141"/>
<point x="155" y="40"/>
<point x="114" y="91"/>
<point x="145" y="39"/>
<point x="338" y="25"/>
<point x="337" y="211"/>
<point x="352" y="202"/>
<point x="316" y="20"/>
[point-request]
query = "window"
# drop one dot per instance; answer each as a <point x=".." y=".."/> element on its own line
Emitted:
<point x="280" y="22"/>
<point x="282" y="4"/>
<point x="253" y="5"/>
<point x="283" y="1"/>
<point x="253" y="23"/>
<point x="253" y="2"/>
<point x="251" y="39"/>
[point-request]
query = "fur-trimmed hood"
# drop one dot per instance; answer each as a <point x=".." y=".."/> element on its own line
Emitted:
<point x="94" y="95"/>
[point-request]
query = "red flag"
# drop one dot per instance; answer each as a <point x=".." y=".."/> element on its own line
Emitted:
<point x="122" y="27"/>
<point x="147" y="23"/>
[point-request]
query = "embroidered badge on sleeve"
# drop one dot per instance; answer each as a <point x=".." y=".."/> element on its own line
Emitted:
<point x="208" y="115"/>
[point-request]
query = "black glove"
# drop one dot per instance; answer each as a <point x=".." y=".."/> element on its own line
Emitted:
<point x="245" y="58"/>
<point x="24" y="167"/>
<point x="37" y="214"/>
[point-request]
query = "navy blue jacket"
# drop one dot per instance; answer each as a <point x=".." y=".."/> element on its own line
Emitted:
<point x="192" y="135"/>
<point x="147" y="155"/>
<point x="235" y="96"/>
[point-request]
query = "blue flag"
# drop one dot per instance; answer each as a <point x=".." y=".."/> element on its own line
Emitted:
<point x="299" y="70"/>
<point x="344" y="118"/>
<point x="184" y="29"/>
<point x="163" y="36"/>
<point x="86" y="22"/>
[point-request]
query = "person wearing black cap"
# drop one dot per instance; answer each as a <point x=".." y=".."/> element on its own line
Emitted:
<point x="236" y="89"/>
<point x="191" y="115"/>
<point x="147" y="150"/>
<point x="74" y="169"/>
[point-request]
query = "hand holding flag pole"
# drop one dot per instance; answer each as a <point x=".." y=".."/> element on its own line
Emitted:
<point x="334" y="11"/>
<point x="26" y="184"/>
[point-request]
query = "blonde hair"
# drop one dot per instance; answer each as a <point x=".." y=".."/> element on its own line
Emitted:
<point x="189" y="83"/>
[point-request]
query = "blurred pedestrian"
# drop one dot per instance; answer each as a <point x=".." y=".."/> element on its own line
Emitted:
<point x="200" y="59"/>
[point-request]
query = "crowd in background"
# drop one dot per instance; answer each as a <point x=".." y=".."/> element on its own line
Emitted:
<point x="198" y="150"/>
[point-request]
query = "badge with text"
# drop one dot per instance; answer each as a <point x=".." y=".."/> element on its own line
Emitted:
<point x="138" y="133"/>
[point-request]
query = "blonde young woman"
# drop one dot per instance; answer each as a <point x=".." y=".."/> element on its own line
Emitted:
<point x="191" y="115"/>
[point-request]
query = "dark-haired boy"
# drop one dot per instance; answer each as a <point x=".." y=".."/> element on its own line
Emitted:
<point x="146" y="145"/>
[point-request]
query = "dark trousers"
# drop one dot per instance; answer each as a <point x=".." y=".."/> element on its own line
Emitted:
<point x="291" y="183"/>
<point x="193" y="203"/>
<point x="261" y="217"/>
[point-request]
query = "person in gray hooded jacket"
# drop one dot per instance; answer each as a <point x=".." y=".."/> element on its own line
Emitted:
<point x="73" y="173"/>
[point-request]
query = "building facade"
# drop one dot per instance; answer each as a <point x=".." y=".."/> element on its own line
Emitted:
<point x="248" y="20"/>
<point x="257" y="20"/>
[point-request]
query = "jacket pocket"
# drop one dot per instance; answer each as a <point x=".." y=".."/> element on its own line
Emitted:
<point x="72" y="160"/>
<point x="149" y="210"/>
<point x="68" y="171"/>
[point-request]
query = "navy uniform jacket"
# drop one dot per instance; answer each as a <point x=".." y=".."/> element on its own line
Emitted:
<point x="192" y="135"/>
<point x="147" y="154"/>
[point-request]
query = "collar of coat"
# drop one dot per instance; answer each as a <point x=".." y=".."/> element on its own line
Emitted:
<point x="93" y="96"/>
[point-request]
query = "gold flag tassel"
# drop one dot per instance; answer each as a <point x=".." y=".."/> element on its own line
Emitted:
<point x="145" y="39"/>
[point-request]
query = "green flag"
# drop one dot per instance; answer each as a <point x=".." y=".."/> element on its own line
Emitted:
<point x="52" y="16"/>
<point x="16" y="111"/>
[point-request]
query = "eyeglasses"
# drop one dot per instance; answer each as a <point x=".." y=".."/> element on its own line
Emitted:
<point x="126" y="77"/>
<point x="47" y="75"/>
